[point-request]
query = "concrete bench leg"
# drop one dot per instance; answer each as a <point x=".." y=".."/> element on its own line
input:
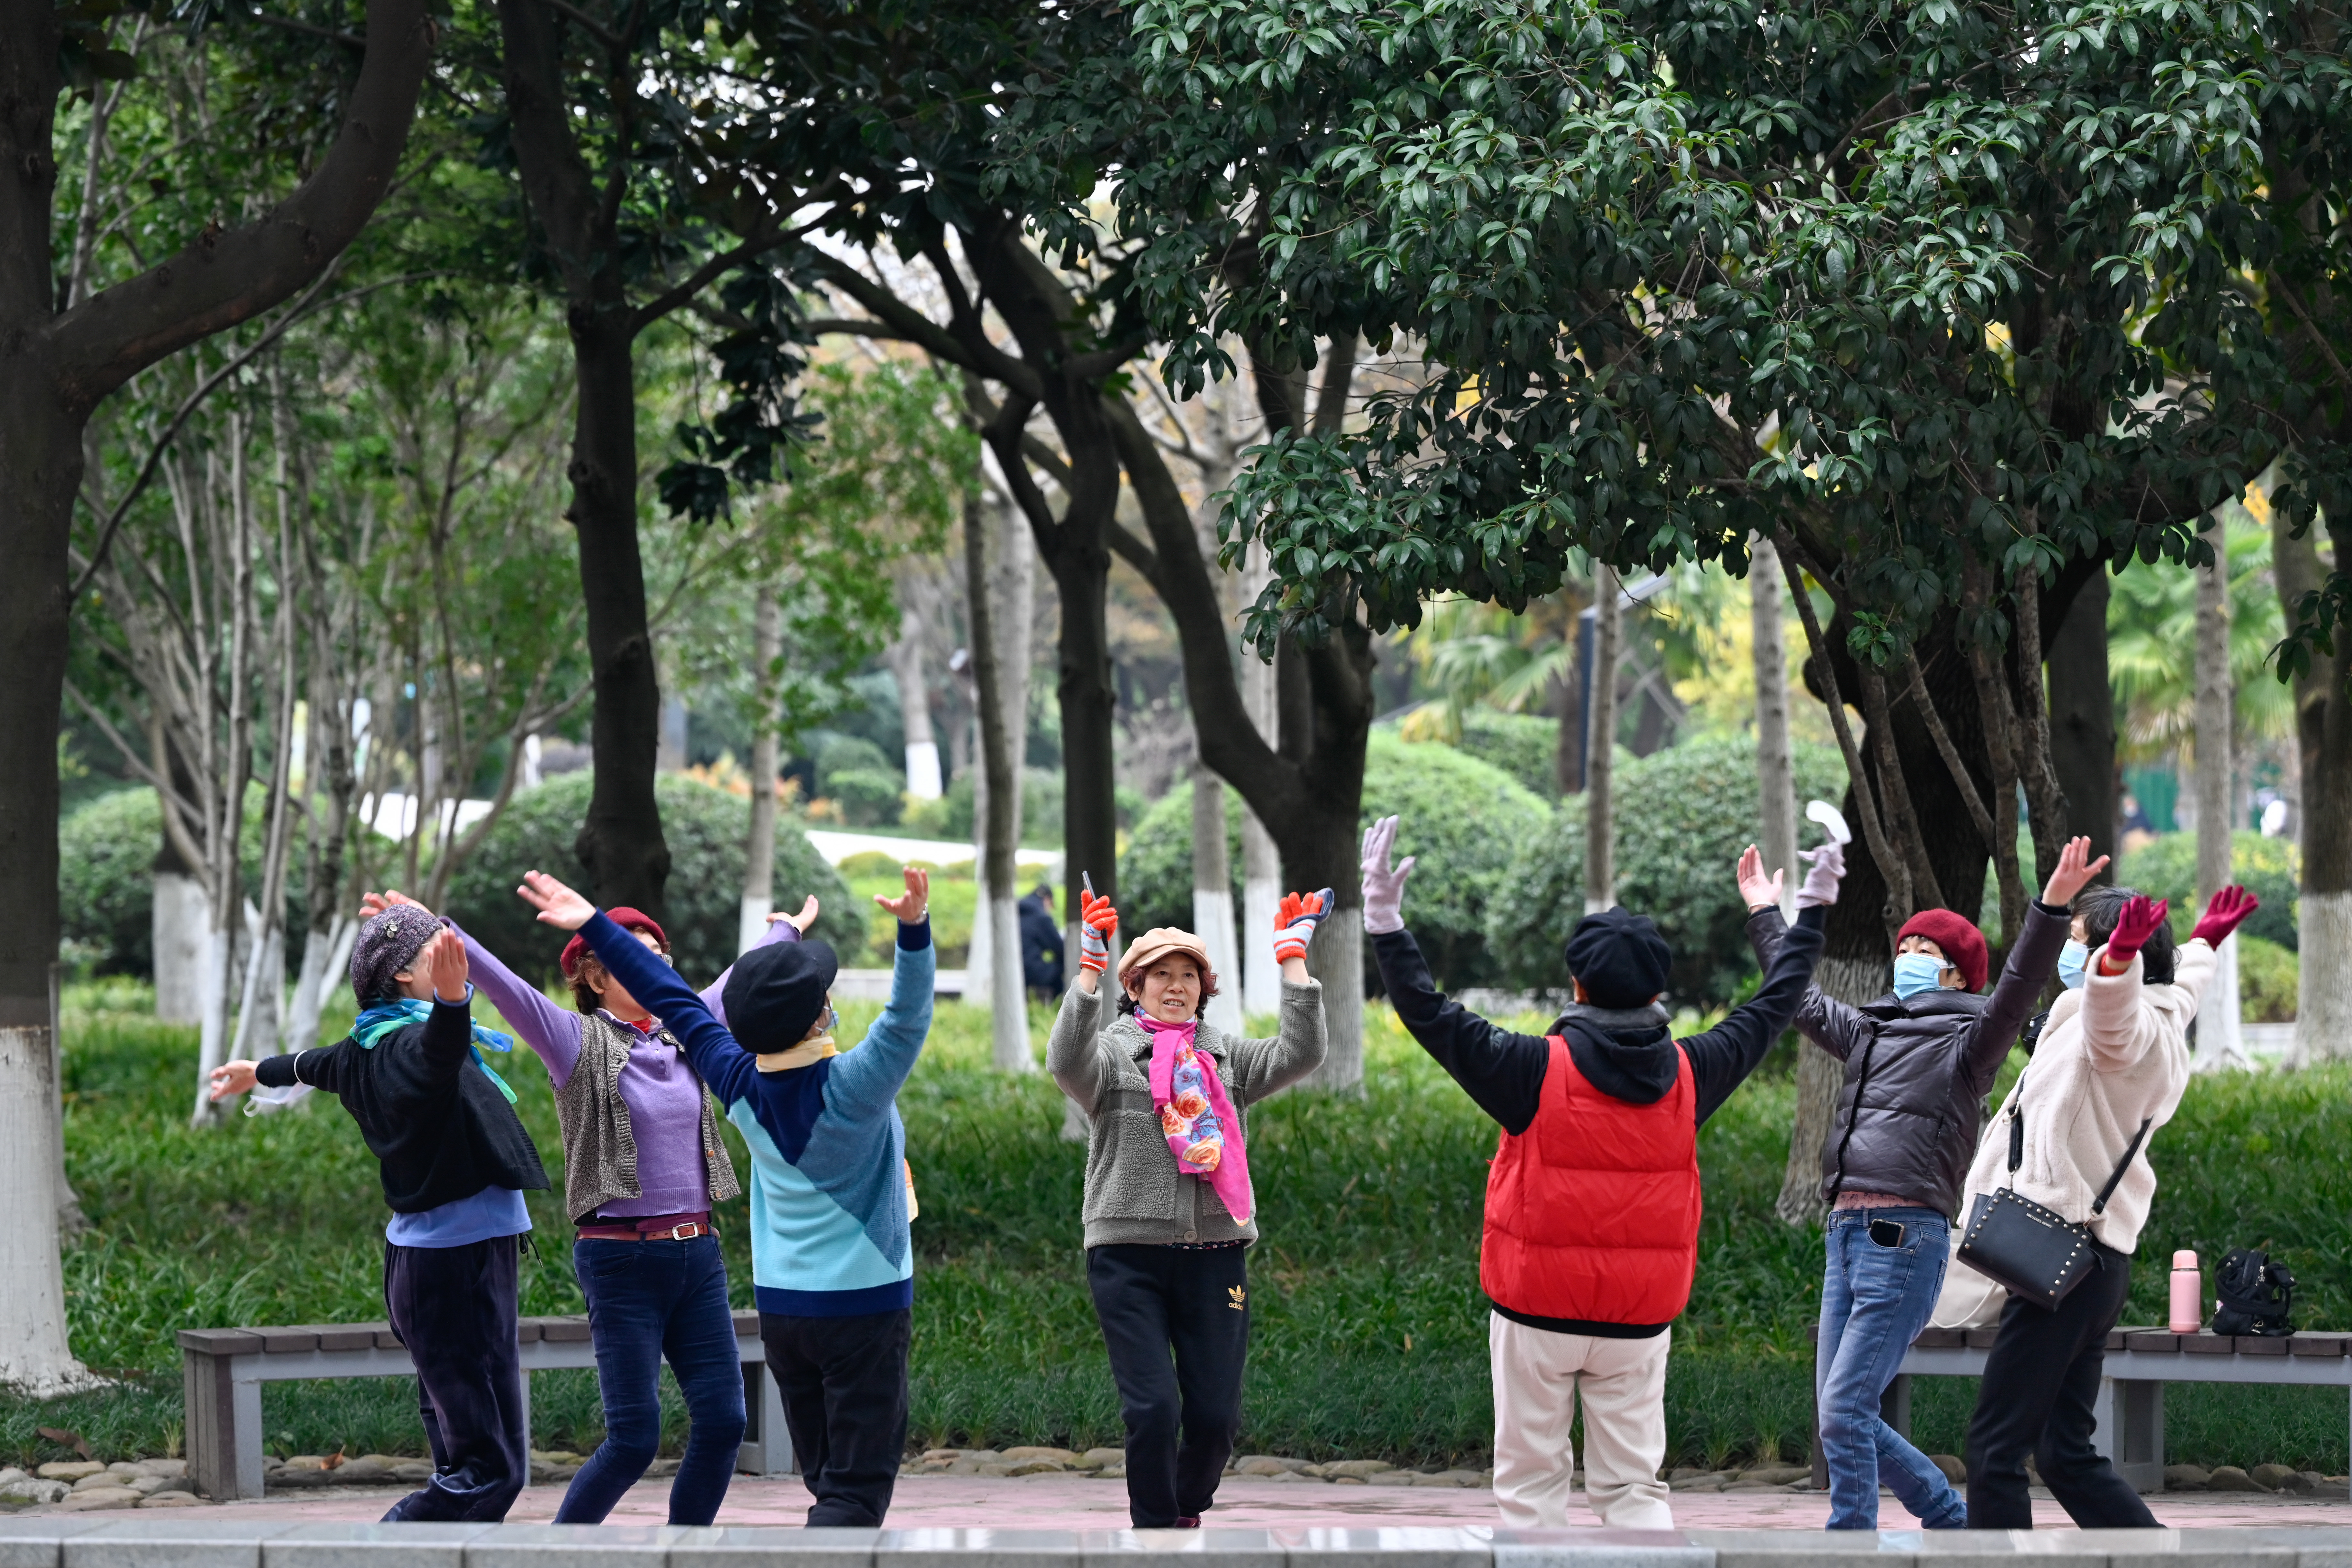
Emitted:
<point x="222" y="1411"/>
<point x="1894" y="1404"/>
<point x="2131" y="1431"/>
<point x="528" y="1441"/>
<point x="767" y="1443"/>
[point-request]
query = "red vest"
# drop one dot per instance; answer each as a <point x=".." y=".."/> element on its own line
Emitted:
<point x="1592" y="1211"/>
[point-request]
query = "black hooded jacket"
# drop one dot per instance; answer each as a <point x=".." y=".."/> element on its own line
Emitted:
<point x="1628" y="1054"/>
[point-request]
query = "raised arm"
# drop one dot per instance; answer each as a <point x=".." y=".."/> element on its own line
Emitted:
<point x="1723" y="1057"/>
<point x="867" y="1079"/>
<point x="725" y="1067"/>
<point x="1074" y="1051"/>
<point x="1263" y="1068"/>
<point x="326" y="1068"/>
<point x="553" y="1031"/>
<point x="780" y="928"/>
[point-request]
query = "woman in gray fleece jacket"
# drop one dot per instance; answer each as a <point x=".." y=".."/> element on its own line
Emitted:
<point x="1168" y="1208"/>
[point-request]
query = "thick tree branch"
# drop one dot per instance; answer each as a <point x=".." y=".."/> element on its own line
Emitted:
<point x="222" y="279"/>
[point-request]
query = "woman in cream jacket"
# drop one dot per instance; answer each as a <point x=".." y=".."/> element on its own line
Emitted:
<point x="2112" y="1059"/>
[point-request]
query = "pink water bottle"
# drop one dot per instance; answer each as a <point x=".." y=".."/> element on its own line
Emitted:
<point x="2188" y="1294"/>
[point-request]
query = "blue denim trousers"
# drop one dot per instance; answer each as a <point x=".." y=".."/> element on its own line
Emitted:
<point x="650" y="1301"/>
<point x="1874" y="1300"/>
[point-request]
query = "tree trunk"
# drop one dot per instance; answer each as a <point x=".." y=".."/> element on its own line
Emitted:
<point x="1600" y="744"/>
<point x="1212" y="898"/>
<point x="2083" y="719"/>
<point x="999" y="800"/>
<point x="2217" y="1010"/>
<point x="906" y="660"/>
<point x="1260" y="864"/>
<point x="620" y="844"/>
<point x="1776" y="776"/>
<point x="760" y="846"/>
<point x="1321" y="844"/>
<point x="2323" y="710"/>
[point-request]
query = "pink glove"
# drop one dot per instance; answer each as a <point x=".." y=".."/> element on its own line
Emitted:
<point x="1826" y="869"/>
<point x="1295" y="923"/>
<point x="2228" y="911"/>
<point x="1097" y="920"/>
<point x="2133" y="928"/>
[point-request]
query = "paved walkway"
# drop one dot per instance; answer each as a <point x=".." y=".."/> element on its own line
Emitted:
<point x="1077" y="1503"/>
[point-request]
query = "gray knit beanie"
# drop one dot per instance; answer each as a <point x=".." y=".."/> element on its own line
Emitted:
<point x="386" y="945"/>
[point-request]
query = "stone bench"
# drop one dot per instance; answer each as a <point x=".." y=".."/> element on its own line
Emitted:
<point x="222" y="1371"/>
<point x="2139" y="1363"/>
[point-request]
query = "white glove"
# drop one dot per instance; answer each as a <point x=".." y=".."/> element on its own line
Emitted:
<point x="1383" y="884"/>
<point x="1827" y="869"/>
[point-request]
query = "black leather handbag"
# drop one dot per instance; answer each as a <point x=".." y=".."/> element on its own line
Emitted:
<point x="2016" y="1243"/>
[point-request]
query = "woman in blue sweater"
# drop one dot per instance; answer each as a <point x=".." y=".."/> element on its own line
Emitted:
<point x="833" y="1267"/>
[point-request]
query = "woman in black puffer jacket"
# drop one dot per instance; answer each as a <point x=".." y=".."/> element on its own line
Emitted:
<point x="1919" y="1063"/>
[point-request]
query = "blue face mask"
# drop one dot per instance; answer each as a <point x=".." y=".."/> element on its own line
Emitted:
<point x="2072" y="959"/>
<point x="1915" y="972"/>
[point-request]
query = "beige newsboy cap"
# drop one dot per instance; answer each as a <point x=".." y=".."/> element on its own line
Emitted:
<point x="1159" y="942"/>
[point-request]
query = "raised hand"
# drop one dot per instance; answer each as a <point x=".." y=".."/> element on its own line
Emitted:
<point x="556" y="905"/>
<point x="1097" y="920"/>
<point x="374" y="904"/>
<point x="2228" y="911"/>
<point x="909" y="906"/>
<point x="1295" y="923"/>
<point x="1757" y="890"/>
<point x="444" y="962"/>
<point x="1383" y="883"/>
<point x="231" y="1078"/>
<point x="2072" y="873"/>
<point x="2140" y="918"/>
<point x="800" y="921"/>
<point x="1824" y="869"/>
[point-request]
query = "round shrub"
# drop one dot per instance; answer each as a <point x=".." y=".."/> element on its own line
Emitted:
<point x="841" y="754"/>
<point x="1466" y="821"/>
<point x="1523" y="746"/>
<point x="106" y="880"/>
<point x="2269" y="868"/>
<point x="705" y="829"/>
<point x="869" y="798"/>
<point x="1683" y="816"/>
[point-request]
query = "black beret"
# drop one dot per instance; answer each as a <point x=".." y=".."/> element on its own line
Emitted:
<point x="1619" y="956"/>
<point x="776" y="992"/>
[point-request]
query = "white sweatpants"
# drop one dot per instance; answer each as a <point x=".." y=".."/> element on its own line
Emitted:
<point x="1537" y="1377"/>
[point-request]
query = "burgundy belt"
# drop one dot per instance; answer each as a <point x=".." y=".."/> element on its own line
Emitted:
<point x="653" y="1227"/>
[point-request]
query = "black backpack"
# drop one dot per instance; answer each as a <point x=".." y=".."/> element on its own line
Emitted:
<point x="2256" y="1294"/>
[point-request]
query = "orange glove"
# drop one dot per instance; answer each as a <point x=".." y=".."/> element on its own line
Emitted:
<point x="1097" y="920"/>
<point x="1295" y="923"/>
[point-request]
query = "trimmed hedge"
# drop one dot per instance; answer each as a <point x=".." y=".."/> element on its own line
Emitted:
<point x="1465" y="820"/>
<point x="2269" y="868"/>
<point x="1525" y="747"/>
<point x="1683" y="816"/>
<point x="105" y="879"/>
<point x="705" y="829"/>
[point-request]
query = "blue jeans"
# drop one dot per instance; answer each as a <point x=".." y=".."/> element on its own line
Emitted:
<point x="1874" y="1302"/>
<point x="648" y="1300"/>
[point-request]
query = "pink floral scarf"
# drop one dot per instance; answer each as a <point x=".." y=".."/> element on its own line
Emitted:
<point x="1197" y="1114"/>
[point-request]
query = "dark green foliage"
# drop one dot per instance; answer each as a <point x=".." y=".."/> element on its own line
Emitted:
<point x="1683" y="816"/>
<point x="2269" y="977"/>
<point x="1524" y="747"/>
<point x="951" y="816"/>
<point x="1466" y="821"/>
<point x="706" y="828"/>
<point x="847" y="753"/>
<point x="106" y="886"/>
<point x="869" y="797"/>
<point x="2268" y="868"/>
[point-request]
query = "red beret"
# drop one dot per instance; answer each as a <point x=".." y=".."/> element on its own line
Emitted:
<point x="628" y="918"/>
<point x="1963" y="944"/>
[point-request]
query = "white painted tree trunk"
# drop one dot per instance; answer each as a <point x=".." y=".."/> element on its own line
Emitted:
<point x="1008" y="999"/>
<point x="1776" y="777"/>
<point x="69" y="1215"/>
<point x="1336" y="957"/>
<point x="1261" y="862"/>
<point x="906" y="659"/>
<point x="759" y="898"/>
<point x="2218" y="1041"/>
<point x="2323" y="1012"/>
<point x="179" y="923"/>
<point x="324" y="956"/>
<point x="1212" y="898"/>
<point x="35" y="1359"/>
<point x="219" y="981"/>
<point x="1599" y="747"/>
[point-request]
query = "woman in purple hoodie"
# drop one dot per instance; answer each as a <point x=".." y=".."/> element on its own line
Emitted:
<point x="642" y="1166"/>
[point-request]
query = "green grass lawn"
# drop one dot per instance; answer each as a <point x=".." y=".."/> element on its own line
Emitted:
<point x="1369" y="1334"/>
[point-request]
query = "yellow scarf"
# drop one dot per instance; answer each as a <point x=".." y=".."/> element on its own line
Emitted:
<point x="800" y="1056"/>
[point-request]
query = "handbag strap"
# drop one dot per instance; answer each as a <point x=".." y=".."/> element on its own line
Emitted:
<point x="2016" y="1148"/>
<point x="2100" y="1205"/>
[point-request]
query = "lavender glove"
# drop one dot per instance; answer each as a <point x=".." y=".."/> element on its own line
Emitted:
<point x="1826" y="869"/>
<point x="1383" y="884"/>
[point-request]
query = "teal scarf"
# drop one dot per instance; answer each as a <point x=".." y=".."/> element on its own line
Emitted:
<point x="382" y="1019"/>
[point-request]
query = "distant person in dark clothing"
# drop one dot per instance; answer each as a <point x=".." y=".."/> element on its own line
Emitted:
<point x="1041" y="945"/>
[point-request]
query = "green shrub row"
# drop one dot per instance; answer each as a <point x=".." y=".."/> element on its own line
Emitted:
<point x="2269" y="868"/>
